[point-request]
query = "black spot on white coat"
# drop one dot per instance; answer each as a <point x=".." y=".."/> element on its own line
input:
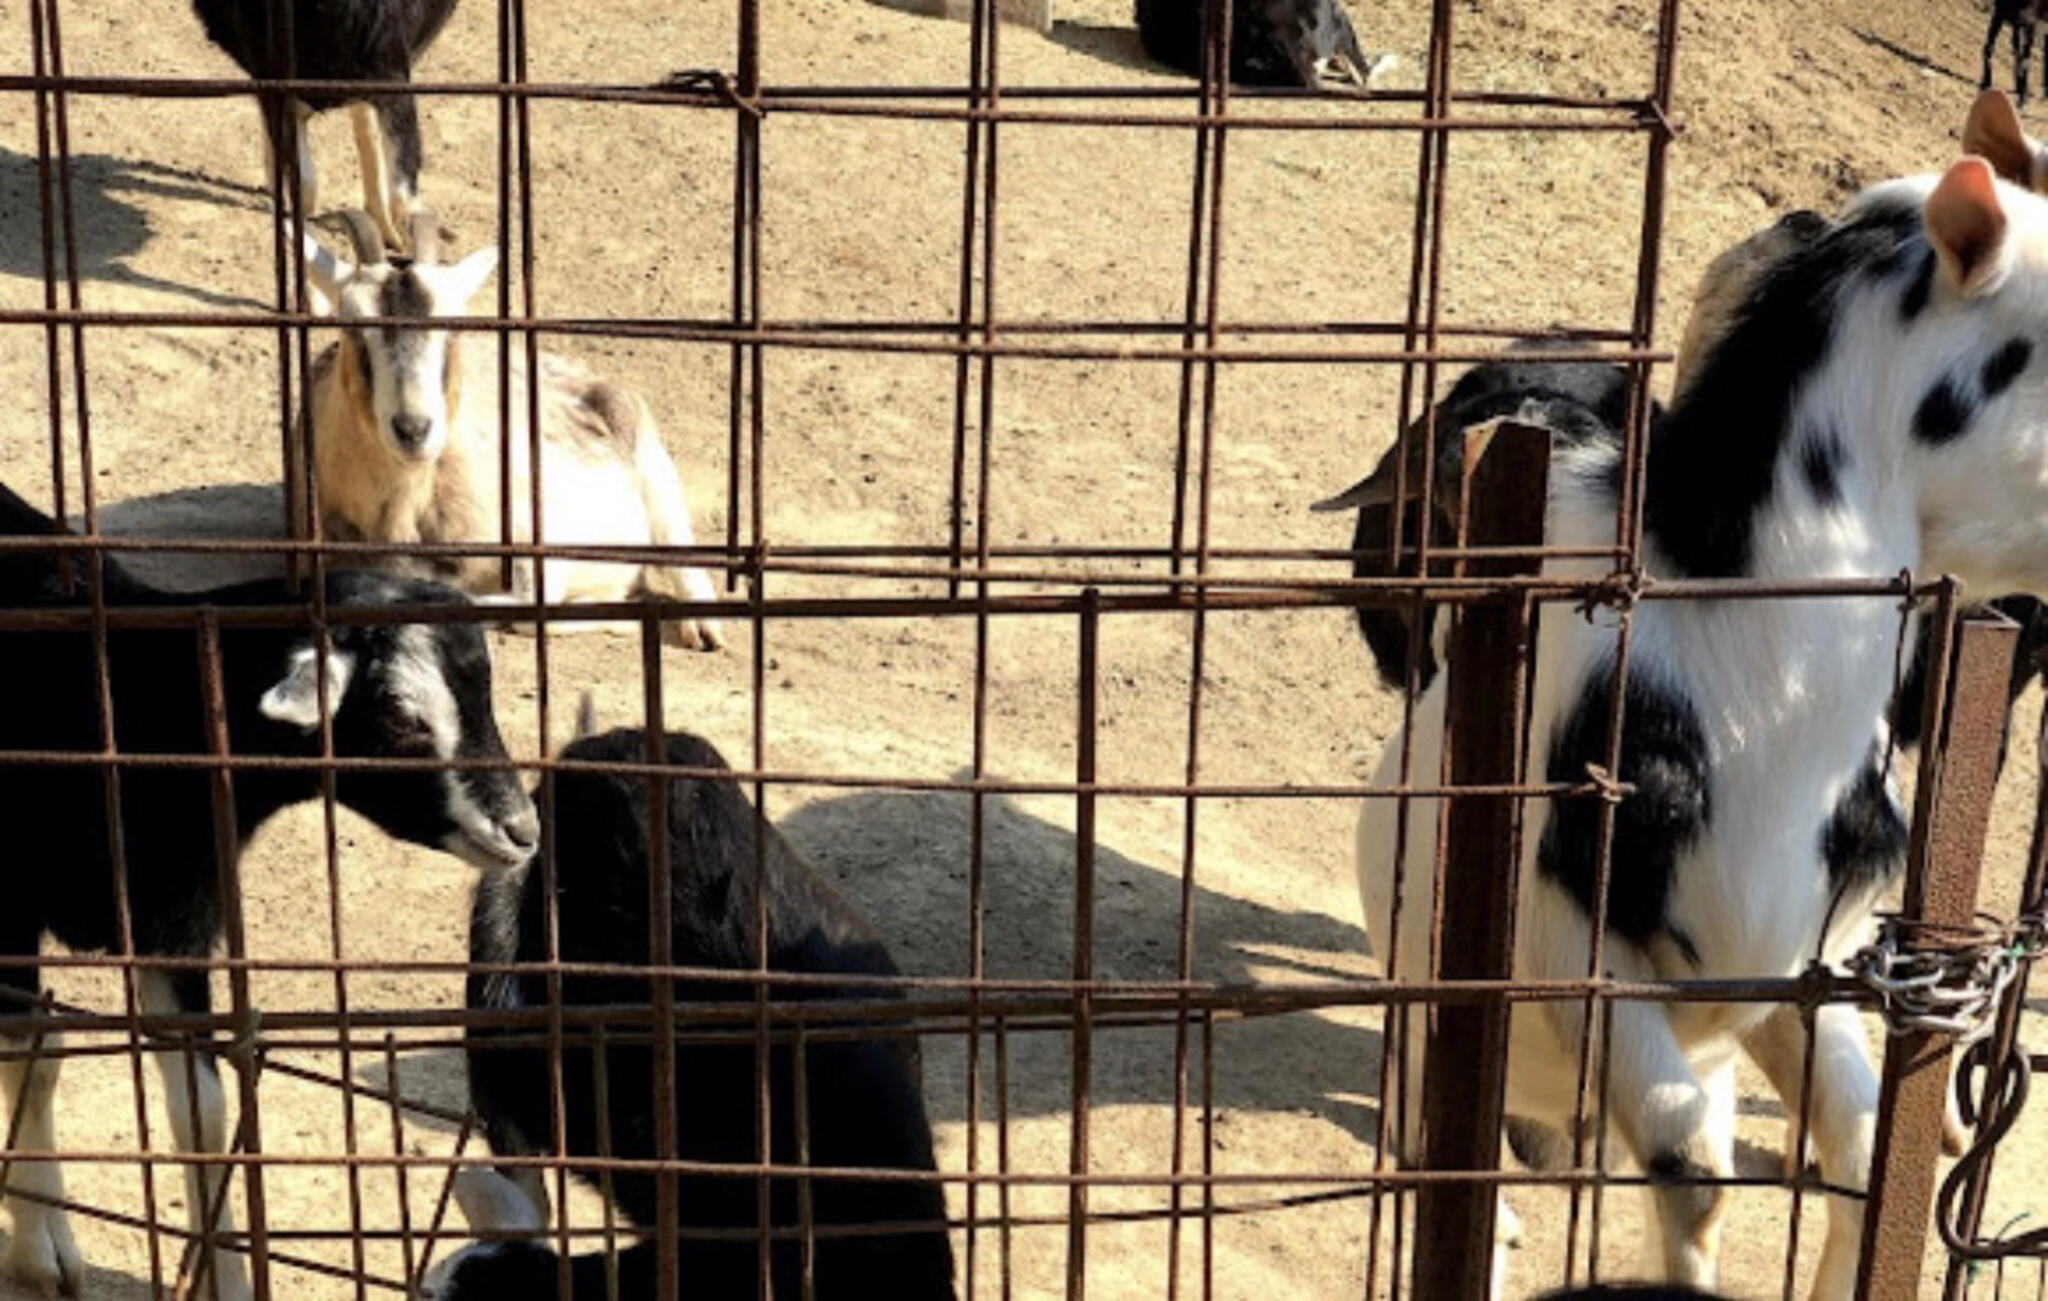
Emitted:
<point x="1944" y="413"/>
<point x="1821" y="454"/>
<point x="1864" y="841"/>
<point x="1713" y="462"/>
<point x="1664" y="756"/>
<point x="1914" y="300"/>
<point x="2001" y="368"/>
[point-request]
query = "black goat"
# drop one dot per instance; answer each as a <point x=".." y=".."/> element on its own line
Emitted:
<point x="339" y="40"/>
<point x="2024" y="17"/>
<point x="1272" y="42"/>
<point x="404" y="691"/>
<point x="1575" y="400"/>
<point x="865" y="1108"/>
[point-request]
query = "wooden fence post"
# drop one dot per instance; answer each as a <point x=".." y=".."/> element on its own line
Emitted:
<point x="1506" y="479"/>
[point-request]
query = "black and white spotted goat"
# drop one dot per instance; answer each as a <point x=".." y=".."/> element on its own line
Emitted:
<point x="865" y="1108"/>
<point x="338" y="40"/>
<point x="1873" y="405"/>
<point x="394" y="691"/>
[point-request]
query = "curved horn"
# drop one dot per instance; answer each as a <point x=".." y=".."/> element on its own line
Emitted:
<point x="425" y="233"/>
<point x="362" y="235"/>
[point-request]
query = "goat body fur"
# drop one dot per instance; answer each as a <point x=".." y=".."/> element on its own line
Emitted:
<point x="608" y="480"/>
<point x="393" y="691"/>
<point x="862" y="1104"/>
<point x="1868" y="409"/>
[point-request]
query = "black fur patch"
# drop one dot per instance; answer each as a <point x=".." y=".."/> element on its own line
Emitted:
<point x="402" y="294"/>
<point x="1864" y="842"/>
<point x="1943" y="414"/>
<point x="1712" y="465"/>
<point x="330" y="41"/>
<point x="1675" y="1167"/>
<point x="1580" y="402"/>
<point x="1664" y="755"/>
<point x="1272" y="42"/>
<point x="2005" y="365"/>
<point x="1914" y="300"/>
<point x="1820" y="460"/>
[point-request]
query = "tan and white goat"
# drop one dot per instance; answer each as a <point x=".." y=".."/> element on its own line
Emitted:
<point x="406" y="440"/>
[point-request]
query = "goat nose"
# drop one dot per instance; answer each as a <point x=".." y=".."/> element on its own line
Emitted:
<point x="411" y="431"/>
<point x="523" y="828"/>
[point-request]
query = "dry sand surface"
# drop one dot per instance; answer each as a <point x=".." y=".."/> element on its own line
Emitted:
<point x="1784" y="105"/>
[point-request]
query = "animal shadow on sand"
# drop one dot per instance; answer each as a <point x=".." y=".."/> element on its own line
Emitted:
<point x="1117" y="45"/>
<point x="1914" y="57"/>
<point x="902" y="858"/>
<point x="110" y="228"/>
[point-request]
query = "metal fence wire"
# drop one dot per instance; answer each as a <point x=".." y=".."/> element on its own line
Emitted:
<point x="344" y="1020"/>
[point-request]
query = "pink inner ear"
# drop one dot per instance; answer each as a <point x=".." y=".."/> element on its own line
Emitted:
<point x="1964" y="218"/>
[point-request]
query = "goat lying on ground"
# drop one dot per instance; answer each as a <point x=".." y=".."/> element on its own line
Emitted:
<point x="864" y="1105"/>
<point x="1272" y="42"/>
<point x="392" y="691"/>
<point x="338" y="40"/>
<point x="1865" y="412"/>
<point x="406" y="440"/>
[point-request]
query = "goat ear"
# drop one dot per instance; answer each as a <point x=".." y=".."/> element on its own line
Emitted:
<point x="461" y="281"/>
<point x="1373" y="490"/>
<point x="296" y="697"/>
<point x="1967" y="226"/>
<point x="325" y="270"/>
<point x="491" y="1202"/>
<point x="1993" y="131"/>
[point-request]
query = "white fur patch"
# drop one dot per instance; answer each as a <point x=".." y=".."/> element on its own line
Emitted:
<point x="296" y="697"/>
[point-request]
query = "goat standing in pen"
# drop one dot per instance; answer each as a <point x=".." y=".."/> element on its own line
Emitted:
<point x="406" y="440"/>
<point x="1868" y="410"/>
<point x="2024" y="18"/>
<point x="391" y="691"/>
<point x="338" y="40"/>
<point x="864" y="1108"/>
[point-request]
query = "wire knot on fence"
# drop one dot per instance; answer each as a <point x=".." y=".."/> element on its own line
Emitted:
<point x="1947" y="979"/>
<point x="1992" y="1095"/>
<point x="712" y="81"/>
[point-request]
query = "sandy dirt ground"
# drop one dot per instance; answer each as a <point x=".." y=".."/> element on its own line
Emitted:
<point x="1783" y="106"/>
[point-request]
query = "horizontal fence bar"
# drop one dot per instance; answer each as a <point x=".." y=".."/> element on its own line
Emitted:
<point x="1549" y="114"/>
<point x="719" y="334"/>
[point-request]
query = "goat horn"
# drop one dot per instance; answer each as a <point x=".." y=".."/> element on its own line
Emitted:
<point x="362" y="235"/>
<point x="426" y="236"/>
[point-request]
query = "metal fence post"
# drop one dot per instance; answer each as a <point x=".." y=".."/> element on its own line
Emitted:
<point x="1958" y="776"/>
<point x="1506" y="489"/>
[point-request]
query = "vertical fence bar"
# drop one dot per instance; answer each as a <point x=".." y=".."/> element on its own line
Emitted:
<point x="1084" y="947"/>
<point x="1507" y="476"/>
<point x="2005" y="1037"/>
<point x="1958" y="777"/>
<point x="247" y="1057"/>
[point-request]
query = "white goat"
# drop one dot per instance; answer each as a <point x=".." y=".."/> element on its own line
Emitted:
<point x="1870" y="408"/>
<point x="406" y="440"/>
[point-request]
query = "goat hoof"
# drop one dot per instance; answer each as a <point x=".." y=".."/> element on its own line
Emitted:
<point x="44" y="1259"/>
<point x="697" y="634"/>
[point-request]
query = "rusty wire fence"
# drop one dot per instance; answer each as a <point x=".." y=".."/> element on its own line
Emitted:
<point x="1437" y="1221"/>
